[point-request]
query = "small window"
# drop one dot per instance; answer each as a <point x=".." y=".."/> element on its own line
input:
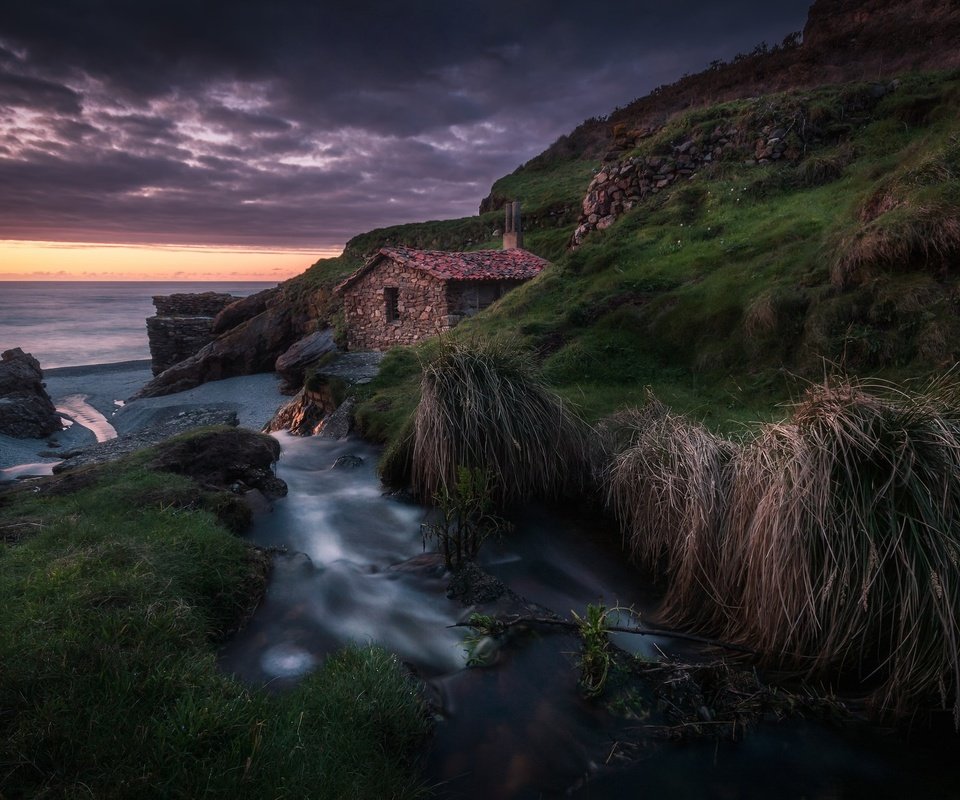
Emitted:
<point x="391" y="299"/>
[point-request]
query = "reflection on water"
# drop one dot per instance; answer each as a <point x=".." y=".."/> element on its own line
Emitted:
<point x="21" y="471"/>
<point x="75" y="407"/>
<point x="354" y="571"/>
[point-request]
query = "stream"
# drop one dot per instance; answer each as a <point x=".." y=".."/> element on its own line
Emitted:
<point x="354" y="570"/>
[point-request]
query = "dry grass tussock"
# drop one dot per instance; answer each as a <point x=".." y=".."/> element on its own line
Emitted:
<point x="904" y="238"/>
<point x="842" y="537"/>
<point x="911" y="221"/>
<point x="666" y="486"/>
<point x="830" y="542"/>
<point x="775" y="311"/>
<point x="482" y="407"/>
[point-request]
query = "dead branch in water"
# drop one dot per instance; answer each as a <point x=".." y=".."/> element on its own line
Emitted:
<point x="501" y="624"/>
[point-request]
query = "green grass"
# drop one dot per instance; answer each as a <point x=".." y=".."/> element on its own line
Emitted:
<point x="115" y="598"/>
<point x="719" y="292"/>
<point x="539" y="190"/>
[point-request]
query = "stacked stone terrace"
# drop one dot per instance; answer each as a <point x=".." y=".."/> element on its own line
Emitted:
<point x="619" y="186"/>
<point x="182" y="326"/>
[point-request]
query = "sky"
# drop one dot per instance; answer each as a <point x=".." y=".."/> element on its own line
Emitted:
<point x="244" y="140"/>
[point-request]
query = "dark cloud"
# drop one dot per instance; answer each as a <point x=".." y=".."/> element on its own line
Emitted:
<point x="302" y="123"/>
<point x="23" y="91"/>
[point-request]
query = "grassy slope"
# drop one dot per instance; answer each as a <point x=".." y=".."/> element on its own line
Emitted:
<point x="114" y="602"/>
<point x="721" y="290"/>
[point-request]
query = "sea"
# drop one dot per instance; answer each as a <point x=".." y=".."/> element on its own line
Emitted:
<point x="78" y="323"/>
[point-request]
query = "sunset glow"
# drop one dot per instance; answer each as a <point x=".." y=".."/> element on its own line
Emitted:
<point x="73" y="261"/>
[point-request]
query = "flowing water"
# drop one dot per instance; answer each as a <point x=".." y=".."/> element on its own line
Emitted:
<point x="354" y="570"/>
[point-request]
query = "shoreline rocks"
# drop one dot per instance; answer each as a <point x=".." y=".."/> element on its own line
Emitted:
<point x="183" y="324"/>
<point x="248" y="345"/>
<point x="26" y="410"/>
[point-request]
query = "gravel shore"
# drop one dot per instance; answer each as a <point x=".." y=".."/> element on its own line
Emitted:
<point x="106" y="388"/>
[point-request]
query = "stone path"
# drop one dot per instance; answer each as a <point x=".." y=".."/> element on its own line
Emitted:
<point x="354" y="368"/>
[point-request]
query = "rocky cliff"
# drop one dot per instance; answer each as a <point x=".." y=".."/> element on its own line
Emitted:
<point x="247" y="336"/>
<point x="182" y="326"/>
<point x="843" y="40"/>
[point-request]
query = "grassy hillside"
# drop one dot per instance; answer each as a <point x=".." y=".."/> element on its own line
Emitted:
<point x="118" y="585"/>
<point x="722" y="290"/>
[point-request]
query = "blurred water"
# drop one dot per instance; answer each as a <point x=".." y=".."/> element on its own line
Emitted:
<point x="73" y="323"/>
<point x="354" y="570"/>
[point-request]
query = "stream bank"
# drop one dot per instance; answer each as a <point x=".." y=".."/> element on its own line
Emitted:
<point x="353" y="569"/>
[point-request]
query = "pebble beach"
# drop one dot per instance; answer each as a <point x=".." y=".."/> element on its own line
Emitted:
<point x="95" y="399"/>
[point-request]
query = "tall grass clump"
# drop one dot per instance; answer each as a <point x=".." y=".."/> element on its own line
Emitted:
<point x="841" y="540"/>
<point x="483" y="407"/>
<point x="904" y="238"/>
<point x="666" y="486"/>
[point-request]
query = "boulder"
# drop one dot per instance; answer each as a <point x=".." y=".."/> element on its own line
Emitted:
<point x="347" y="462"/>
<point x="26" y="411"/>
<point x="293" y="364"/>
<point x="340" y="422"/>
<point x="243" y="309"/>
<point x="304" y="415"/>
<point x="234" y="459"/>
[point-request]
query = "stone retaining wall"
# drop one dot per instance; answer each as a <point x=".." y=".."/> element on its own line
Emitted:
<point x="619" y="186"/>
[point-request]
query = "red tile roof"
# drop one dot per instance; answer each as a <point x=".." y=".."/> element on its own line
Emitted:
<point x="479" y="265"/>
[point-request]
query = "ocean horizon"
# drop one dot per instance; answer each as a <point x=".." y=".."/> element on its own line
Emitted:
<point x="80" y="323"/>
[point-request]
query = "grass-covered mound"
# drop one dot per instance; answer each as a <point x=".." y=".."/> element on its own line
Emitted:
<point x="482" y="406"/>
<point x="842" y="540"/>
<point x="667" y="485"/>
<point x="115" y="593"/>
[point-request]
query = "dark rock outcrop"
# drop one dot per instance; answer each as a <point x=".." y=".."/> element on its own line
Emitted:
<point x="292" y="366"/>
<point x="236" y="459"/>
<point x="182" y="326"/>
<point x="113" y="449"/>
<point x="26" y="411"/>
<point x="250" y="347"/>
<point x="243" y="309"/>
<point x="305" y="414"/>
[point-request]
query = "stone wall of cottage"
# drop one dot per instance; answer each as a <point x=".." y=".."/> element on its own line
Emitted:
<point x="183" y="325"/>
<point x="466" y="298"/>
<point x="421" y="303"/>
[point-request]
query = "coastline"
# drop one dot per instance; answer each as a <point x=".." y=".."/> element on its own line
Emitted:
<point x="84" y="370"/>
<point x="107" y="389"/>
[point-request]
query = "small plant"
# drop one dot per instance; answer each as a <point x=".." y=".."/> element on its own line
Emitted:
<point x="466" y="517"/>
<point x="483" y="629"/>
<point x="595" y="656"/>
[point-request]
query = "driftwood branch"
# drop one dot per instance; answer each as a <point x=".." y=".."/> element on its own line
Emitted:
<point x="566" y="624"/>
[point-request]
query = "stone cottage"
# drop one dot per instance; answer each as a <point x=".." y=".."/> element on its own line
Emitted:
<point x="401" y="296"/>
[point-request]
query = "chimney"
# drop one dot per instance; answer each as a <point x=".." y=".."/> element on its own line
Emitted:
<point x="513" y="229"/>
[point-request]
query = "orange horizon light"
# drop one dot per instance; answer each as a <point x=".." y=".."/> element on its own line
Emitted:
<point x="22" y="260"/>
